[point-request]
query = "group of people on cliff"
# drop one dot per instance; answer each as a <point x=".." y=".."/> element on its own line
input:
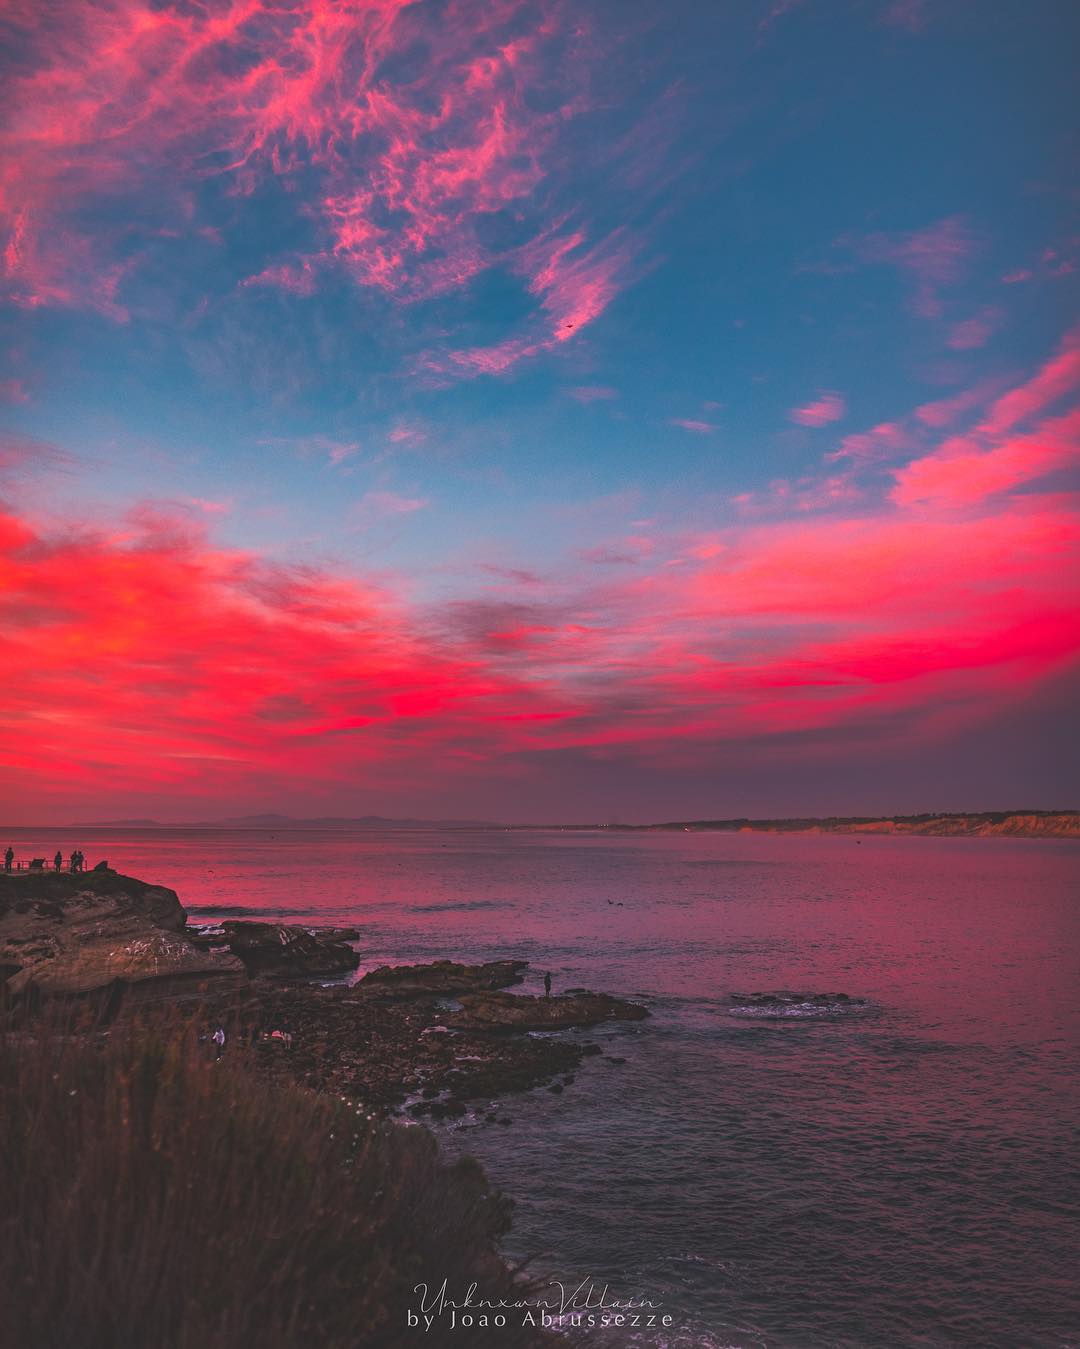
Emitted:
<point x="77" y="861"/>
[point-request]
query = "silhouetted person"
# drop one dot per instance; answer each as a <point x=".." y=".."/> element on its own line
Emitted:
<point x="74" y="863"/>
<point x="547" y="985"/>
<point x="58" y="861"/>
<point x="9" y="857"/>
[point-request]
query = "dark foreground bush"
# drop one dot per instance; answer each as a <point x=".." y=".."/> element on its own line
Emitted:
<point x="154" y="1198"/>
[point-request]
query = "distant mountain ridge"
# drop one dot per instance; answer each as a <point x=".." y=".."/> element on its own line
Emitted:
<point x="273" y="821"/>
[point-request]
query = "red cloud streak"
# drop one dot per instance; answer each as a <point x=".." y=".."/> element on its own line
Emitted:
<point x="151" y="660"/>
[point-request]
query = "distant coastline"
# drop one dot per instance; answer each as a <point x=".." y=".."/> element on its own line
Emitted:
<point x="982" y="824"/>
<point x="942" y="824"/>
<point x="284" y="822"/>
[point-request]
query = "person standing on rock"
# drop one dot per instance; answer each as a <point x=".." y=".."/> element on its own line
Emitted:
<point x="58" y="861"/>
<point x="547" y="985"/>
<point x="9" y="857"/>
<point x="74" y="863"/>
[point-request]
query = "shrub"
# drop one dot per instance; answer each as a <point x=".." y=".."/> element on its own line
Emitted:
<point x="153" y="1197"/>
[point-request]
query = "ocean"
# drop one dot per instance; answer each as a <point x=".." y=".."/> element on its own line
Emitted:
<point x="900" y="1171"/>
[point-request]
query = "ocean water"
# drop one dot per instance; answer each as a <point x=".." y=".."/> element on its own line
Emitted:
<point x="900" y="1172"/>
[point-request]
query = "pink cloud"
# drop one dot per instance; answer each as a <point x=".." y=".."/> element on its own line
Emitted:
<point x="826" y="408"/>
<point x="1058" y="377"/>
<point x="966" y="469"/>
<point x="493" y="360"/>
<point x="407" y="434"/>
<point x="996" y="455"/>
<point x="945" y="411"/>
<point x="575" y="283"/>
<point x="698" y="428"/>
<point x="1048" y="266"/>
<point x="301" y="278"/>
<point x="374" y="506"/>
<point x="396" y="168"/>
<point x="811" y="493"/>
<point x="870" y="446"/>
<point x="976" y="331"/>
<point x="340" y="450"/>
<point x="834" y="570"/>
<point x="933" y="258"/>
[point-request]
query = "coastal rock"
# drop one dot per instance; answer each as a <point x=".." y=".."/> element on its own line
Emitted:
<point x="383" y="1051"/>
<point x="786" y="1003"/>
<point x="507" y="1011"/>
<point x="70" y="935"/>
<point x="284" y="949"/>
<point x="441" y="978"/>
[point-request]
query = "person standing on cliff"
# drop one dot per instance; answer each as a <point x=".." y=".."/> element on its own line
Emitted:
<point x="9" y="857"/>
<point x="547" y="985"/>
<point x="58" y="861"/>
<point x="74" y="863"/>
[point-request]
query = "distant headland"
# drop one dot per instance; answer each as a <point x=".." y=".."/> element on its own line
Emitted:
<point x="980" y="824"/>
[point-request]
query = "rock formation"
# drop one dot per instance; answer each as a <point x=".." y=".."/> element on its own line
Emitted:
<point x="113" y="940"/>
<point x="508" y="1011"/>
<point x="100" y="933"/>
<point x="442" y="978"/>
<point x="285" y="949"/>
<point x="786" y="1002"/>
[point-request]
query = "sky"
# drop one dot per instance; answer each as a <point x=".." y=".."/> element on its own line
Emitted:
<point x="535" y="411"/>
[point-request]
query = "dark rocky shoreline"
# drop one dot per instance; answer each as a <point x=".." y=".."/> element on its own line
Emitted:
<point x="435" y="1040"/>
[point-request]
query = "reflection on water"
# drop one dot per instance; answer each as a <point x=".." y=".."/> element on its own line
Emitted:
<point x="795" y="1173"/>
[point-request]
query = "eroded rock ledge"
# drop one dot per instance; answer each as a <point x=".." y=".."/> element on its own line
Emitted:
<point x="437" y="1039"/>
<point x="442" y="978"/>
<point x="291" y="951"/>
<point x="507" y="1011"/>
<point x="104" y="936"/>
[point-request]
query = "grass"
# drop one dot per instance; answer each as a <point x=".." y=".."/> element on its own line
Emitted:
<point x="153" y="1197"/>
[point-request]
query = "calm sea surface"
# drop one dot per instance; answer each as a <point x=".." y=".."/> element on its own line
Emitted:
<point x="903" y="1174"/>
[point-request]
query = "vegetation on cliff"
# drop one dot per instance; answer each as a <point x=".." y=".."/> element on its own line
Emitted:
<point x="153" y="1196"/>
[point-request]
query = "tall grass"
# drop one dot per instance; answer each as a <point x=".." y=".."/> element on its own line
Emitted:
<point x="153" y="1197"/>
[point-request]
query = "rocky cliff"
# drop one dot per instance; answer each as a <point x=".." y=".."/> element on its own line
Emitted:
<point x="1064" y="824"/>
<point x="100" y="933"/>
<point x="984" y="824"/>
